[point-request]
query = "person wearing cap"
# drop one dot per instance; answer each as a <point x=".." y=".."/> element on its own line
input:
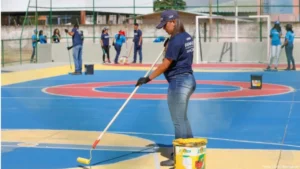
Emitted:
<point x="289" y="46"/>
<point x="275" y="35"/>
<point x="177" y="69"/>
<point x="77" y="39"/>
<point x="105" y="44"/>
<point x="137" y="40"/>
<point x="34" y="43"/>
<point x="118" y="42"/>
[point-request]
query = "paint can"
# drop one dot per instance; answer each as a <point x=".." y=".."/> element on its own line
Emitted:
<point x="190" y="153"/>
<point x="89" y="69"/>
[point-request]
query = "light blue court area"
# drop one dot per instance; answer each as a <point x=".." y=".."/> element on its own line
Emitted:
<point x="264" y="122"/>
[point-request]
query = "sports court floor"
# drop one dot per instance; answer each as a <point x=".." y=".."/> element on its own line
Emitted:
<point x="50" y="118"/>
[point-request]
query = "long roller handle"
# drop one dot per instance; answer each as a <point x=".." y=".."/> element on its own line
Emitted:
<point x="136" y="88"/>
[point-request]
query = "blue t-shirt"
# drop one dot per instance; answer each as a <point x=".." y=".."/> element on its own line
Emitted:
<point x="105" y="39"/>
<point x="290" y="36"/>
<point x="137" y="35"/>
<point x="180" y="50"/>
<point x="77" y="37"/>
<point x="275" y="37"/>
<point x="33" y="37"/>
<point x="42" y="39"/>
<point x="121" y="40"/>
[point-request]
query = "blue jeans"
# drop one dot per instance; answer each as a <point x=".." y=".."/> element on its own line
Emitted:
<point x="77" y="56"/>
<point x="180" y="89"/>
<point x="289" y="55"/>
<point x="137" y="49"/>
<point x="118" y="50"/>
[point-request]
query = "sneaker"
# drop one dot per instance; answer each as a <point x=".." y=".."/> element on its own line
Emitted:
<point x="169" y="162"/>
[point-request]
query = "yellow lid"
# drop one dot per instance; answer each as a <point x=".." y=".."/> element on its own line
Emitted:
<point x="190" y="141"/>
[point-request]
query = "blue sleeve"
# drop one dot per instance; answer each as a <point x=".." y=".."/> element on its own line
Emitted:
<point x="74" y="30"/>
<point x="287" y="36"/>
<point x="140" y="33"/>
<point x="173" y="50"/>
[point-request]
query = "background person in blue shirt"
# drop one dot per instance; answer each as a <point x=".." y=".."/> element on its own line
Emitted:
<point x="34" y="43"/>
<point x="42" y="37"/>
<point x="77" y="39"/>
<point x="118" y="42"/>
<point x="177" y="69"/>
<point x="137" y="40"/>
<point x="289" y="46"/>
<point x="275" y="35"/>
<point x="105" y="44"/>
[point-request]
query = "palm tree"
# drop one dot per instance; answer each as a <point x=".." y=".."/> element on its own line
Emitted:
<point x="161" y="5"/>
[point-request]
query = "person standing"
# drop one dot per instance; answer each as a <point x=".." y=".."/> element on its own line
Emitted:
<point x="275" y="35"/>
<point x="105" y="44"/>
<point x="289" y="46"/>
<point x="118" y="42"/>
<point x="34" y="43"/>
<point x="138" y="41"/>
<point x="177" y="69"/>
<point x="56" y="36"/>
<point x="77" y="39"/>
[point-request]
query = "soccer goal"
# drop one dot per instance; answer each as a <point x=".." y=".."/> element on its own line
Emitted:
<point x="239" y="39"/>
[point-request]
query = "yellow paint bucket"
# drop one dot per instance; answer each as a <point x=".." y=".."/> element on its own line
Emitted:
<point x="190" y="153"/>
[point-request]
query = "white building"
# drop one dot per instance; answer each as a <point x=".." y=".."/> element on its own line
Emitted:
<point x="67" y="11"/>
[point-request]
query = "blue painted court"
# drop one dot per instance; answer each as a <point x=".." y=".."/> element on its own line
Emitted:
<point x="264" y="122"/>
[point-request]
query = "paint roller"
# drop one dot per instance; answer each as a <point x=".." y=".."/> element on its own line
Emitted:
<point x="88" y="161"/>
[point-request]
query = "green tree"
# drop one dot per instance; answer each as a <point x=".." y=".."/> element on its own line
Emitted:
<point x="161" y="5"/>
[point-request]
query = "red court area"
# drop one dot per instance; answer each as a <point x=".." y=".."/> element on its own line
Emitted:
<point x="88" y="90"/>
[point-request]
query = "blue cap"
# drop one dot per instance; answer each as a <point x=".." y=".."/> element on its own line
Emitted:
<point x="277" y="22"/>
<point x="166" y="16"/>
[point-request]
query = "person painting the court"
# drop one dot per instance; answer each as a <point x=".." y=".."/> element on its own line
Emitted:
<point x="77" y="48"/>
<point x="118" y="42"/>
<point x="177" y="69"/>
<point x="137" y="40"/>
<point x="289" y="46"/>
<point x="105" y="44"/>
<point x="275" y="35"/>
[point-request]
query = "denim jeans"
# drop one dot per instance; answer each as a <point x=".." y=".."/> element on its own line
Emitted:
<point x="180" y="89"/>
<point x="118" y="50"/>
<point x="137" y="50"/>
<point x="289" y="55"/>
<point x="77" y="56"/>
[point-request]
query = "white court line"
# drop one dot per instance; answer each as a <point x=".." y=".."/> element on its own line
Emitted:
<point x="172" y="135"/>
<point x="213" y="138"/>
<point x="156" y="160"/>
<point x="77" y="148"/>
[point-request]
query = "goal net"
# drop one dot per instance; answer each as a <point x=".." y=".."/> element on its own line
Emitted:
<point x="242" y="39"/>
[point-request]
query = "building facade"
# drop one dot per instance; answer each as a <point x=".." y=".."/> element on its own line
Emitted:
<point x="59" y="12"/>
